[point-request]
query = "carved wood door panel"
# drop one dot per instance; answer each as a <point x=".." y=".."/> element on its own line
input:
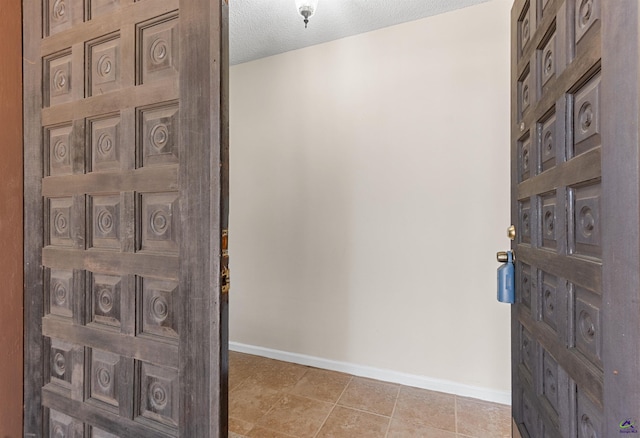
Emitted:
<point x="572" y="331"/>
<point x="126" y="146"/>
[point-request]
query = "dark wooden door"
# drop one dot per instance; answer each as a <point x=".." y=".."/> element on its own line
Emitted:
<point x="575" y="199"/>
<point x="126" y="210"/>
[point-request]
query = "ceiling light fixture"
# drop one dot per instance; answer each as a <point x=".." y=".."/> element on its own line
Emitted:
<point x="306" y="8"/>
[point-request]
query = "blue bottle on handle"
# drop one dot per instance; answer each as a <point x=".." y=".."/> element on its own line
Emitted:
<point x="507" y="281"/>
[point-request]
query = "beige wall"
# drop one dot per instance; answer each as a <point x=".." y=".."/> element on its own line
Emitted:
<point x="369" y="195"/>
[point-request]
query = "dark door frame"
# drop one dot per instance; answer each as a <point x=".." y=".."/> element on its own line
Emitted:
<point x="11" y="295"/>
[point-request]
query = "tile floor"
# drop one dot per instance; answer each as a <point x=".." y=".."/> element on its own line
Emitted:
<point x="273" y="399"/>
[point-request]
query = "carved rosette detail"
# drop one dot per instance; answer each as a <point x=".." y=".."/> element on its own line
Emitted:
<point x="549" y="222"/>
<point x="159" y="222"/>
<point x="549" y="301"/>
<point x="587" y="221"/>
<point x="158" y="397"/>
<point x="60" y="151"/>
<point x="159" y="308"/>
<point x="59" y="364"/>
<point x="105" y="300"/>
<point x="59" y="294"/>
<point x="585" y="13"/>
<point x="104" y="144"/>
<point x="103" y="377"/>
<point x="59" y="10"/>
<point x="60" y="223"/>
<point x="105" y="221"/>
<point x="525" y="224"/>
<point x="159" y="136"/>
<point x="104" y="66"/>
<point x="525" y="95"/>
<point x="587" y="326"/>
<point x="585" y="116"/>
<point x="548" y="143"/>
<point x="548" y="62"/>
<point x="526" y="30"/>
<point x="158" y="51"/>
<point x="60" y="80"/>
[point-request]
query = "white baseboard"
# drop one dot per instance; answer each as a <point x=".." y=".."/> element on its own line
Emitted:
<point x="502" y="397"/>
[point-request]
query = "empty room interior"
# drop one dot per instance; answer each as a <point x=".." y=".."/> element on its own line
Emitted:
<point x="369" y="192"/>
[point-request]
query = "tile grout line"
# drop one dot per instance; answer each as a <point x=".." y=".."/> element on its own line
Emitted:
<point x="393" y="412"/>
<point x="334" y="406"/>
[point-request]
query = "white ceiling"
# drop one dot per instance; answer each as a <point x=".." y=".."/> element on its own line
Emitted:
<point x="260" y="28"/>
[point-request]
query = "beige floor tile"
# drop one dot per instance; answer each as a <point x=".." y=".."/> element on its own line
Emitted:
<point x="235" y="435"/>
<point x="322" y="385"/>
<point x="481" y="419"/>
<point x="261" y="432"/>
<point x="249" y="402"/>
<point x="402" y="429"/>
<point x="370" y="395"/>
<point x="238" y="426"/>
<point x="241" y="366"/>
<point x="297" y="416"/>
<point x="281" y="376"/>
<point x="427" y="408"/>
<point x="349" y="423"/>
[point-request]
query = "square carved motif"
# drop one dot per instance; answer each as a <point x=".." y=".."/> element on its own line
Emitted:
<point x="104" y="376"/>
<point x="526" y="159"/>
<point x="548" y="143"/>
<point x="158" y="135"/>
<point x="58" y="16"/>
<point x="550" y="380"/>
<point x="105" y="143"/>
<point x="525" y="221"/>
<point x="158" y="49"/>
<point x="58" y="79"/>
<point x="60" y="221"/>
<point x="587" y="326"/>
<point x="158" y="398"/>
<point x="549" y="220"/>
<point x="587" y="14"/>
<point x="105" y="301"/>
<point x="105" y="222"/>
<point x="60" y="289"/>
<point x="550" y="300"/>
<point x="158" y="313"/>
<point x="586" y="117"/>
<point x="61" y="363"/>
<point x="159" y="216"/>
<point x="58" y="143"/>
<point x="63" y="426"/>
<point x="586" y="224"/>
<point x="548" y="65"/>
<point x="104" y="63"/>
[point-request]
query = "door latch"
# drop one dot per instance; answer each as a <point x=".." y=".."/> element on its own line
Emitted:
<point x="225" y="280"/>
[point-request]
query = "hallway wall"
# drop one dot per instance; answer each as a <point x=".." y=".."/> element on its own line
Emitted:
<point x="11" y="220"/>
<point x="369" y="195"/>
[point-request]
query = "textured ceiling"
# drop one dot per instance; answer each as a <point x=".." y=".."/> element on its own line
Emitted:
<point x="260" y="28"/>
